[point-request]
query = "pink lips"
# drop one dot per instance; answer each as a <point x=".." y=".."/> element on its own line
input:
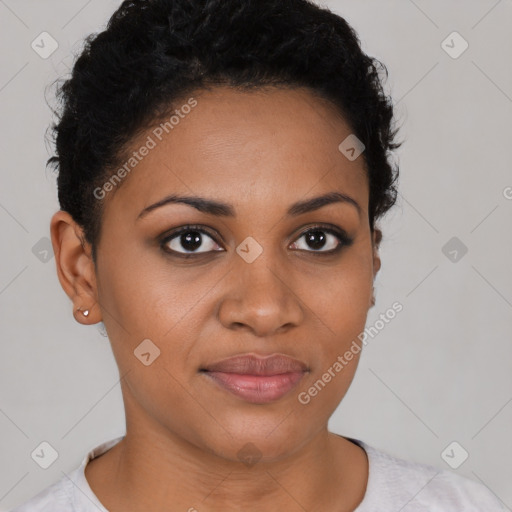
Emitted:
<point x="257" y="379"/>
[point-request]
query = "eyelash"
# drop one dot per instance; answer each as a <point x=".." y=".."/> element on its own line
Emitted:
<point x="344" y="239"/>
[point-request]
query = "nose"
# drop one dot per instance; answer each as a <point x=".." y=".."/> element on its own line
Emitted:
<point x="261" y="298"/>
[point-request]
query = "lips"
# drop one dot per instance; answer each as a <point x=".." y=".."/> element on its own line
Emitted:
<point x="257" y="379"/>
<point x="252" y="364"/>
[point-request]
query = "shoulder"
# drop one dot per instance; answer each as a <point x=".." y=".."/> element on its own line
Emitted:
<point x="414" y="487"/>
<point x="72" y="492"/>
<point x="57" y="497"/>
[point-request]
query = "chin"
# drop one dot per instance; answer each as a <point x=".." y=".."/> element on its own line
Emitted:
<point x="268" y="440"/>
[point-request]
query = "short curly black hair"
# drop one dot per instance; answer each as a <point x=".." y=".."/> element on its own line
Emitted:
<point x="154" y="52"/>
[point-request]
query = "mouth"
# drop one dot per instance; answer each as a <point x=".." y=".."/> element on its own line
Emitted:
<point x="257" y="379"/>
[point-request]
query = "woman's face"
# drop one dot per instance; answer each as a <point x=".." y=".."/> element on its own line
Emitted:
<point x="256" y="282"/>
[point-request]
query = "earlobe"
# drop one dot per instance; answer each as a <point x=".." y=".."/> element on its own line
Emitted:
<point x="377" y="237"/>
<point x="75" y="267"/>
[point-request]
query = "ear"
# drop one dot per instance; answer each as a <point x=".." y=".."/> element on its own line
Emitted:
<point x="376" y="238"/>
<point x="75" y="267"/>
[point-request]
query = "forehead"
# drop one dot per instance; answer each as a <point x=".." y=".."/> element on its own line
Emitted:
<point x="250" y="149"/>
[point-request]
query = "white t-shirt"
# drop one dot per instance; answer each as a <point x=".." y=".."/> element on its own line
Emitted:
<point x="393" y="485"/>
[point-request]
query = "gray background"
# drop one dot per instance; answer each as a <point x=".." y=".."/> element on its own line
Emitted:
<point x="439" y="372"/>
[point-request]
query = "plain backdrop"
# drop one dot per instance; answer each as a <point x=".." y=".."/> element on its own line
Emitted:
<point x="438" y="373"/>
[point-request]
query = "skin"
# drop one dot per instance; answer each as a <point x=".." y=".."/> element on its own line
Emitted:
<point x="261" y="152"/>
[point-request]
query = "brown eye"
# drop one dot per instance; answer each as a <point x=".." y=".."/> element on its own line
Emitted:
<point x="190" y="240"/>
<point x="322" y="240"/>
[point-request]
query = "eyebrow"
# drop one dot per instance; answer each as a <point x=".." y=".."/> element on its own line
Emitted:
<point x="218" y="208"/>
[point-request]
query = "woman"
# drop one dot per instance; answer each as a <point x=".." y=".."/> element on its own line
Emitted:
<point x="222" y="166"/>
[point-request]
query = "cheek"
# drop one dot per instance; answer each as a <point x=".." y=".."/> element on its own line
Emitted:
<point x="341" y="300"/>
<point x="144" y="298"/>
<point x="339" y="308"/>
<point x="144" y="295"/>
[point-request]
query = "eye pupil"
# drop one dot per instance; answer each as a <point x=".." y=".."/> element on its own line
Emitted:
<point x="191" y="240"/>
<point x="316" y="239"/>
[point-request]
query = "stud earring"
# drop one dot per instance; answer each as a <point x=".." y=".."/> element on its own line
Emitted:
<point x="85" y="313"/>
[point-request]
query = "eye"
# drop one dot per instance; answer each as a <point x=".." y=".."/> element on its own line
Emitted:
<point x="320" y="237"/>
<point x="188" y="240"/>
<point x="193" y="240"/>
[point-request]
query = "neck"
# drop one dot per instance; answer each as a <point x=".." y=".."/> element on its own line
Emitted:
<point x="153" y="469"/>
